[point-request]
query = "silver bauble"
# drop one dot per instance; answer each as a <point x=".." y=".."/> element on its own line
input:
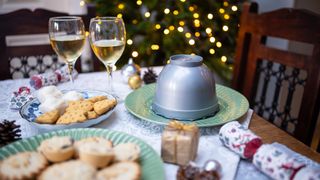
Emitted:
<point x="129" y="70"/>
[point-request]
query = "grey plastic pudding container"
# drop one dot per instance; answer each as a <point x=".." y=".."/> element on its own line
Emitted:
<point x="185" y="89"/>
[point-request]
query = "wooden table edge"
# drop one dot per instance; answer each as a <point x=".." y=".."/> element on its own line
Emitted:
<point x="270" y="133"/>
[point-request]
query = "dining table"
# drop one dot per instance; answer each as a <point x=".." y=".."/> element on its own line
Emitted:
<point x="123" y="120"/>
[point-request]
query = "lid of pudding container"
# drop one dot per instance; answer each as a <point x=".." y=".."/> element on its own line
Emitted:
<point x="186" y="60"/>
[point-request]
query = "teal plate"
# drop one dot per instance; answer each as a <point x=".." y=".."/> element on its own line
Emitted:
<point x="151" y="163"/>
<point x="232" y="106"/>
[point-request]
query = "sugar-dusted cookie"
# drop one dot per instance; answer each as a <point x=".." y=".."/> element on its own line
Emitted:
<point x="103" y="106"/>
<point x="95" y="153"/>
<point x="25" y="165"/>
<point x="70" y="170"/>
<point x="57" y="148"/>
<point x="92" y="114"/>
<point x="48" y="118"/>
<point x="97" y="98"/>
<point x="127" y="152"/>
<point x="83" y="105"/>
<point x="120" y="171"/>
<point x="72" y="117"/>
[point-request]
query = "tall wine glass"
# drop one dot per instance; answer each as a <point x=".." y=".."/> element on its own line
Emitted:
<point x="67" y="38"/>
<point x="107" y="39"/>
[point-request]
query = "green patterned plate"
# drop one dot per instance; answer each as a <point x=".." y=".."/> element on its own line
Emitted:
<point x="232" y="105"/>
<point x="151" y="163"/>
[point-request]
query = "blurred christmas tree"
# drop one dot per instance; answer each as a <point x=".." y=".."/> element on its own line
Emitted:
<point x="157" y="29"/>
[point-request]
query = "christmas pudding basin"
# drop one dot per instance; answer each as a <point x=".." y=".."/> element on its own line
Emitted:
<point x="185" y="89"/>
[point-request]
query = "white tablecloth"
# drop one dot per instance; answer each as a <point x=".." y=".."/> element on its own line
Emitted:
<point x="121" y="120"/>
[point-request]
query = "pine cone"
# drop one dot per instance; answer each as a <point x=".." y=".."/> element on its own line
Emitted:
<point x="150" y="76"/>
<point x="9" y="132"/>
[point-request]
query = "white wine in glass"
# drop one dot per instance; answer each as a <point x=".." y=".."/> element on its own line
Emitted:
<point x="107" y="39"/>
<point x="67" y="37"/>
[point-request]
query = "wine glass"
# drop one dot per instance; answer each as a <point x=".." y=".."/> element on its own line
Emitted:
<point x="107" y="39"/>
<point x="67" y="38"/>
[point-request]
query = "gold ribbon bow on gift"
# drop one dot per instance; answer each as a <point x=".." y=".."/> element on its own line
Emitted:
<point x="176" y="125"/>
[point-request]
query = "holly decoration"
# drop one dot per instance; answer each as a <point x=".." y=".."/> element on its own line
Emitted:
<point x="9" y="132"/>
<point x="149" y="76"/>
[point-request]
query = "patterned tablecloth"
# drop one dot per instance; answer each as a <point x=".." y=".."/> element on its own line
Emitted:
<point x="121" y="120"/>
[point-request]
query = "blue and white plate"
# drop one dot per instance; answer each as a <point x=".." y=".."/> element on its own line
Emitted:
<point x="30" y="111"/>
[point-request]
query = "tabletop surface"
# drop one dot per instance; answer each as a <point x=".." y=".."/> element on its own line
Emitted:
<point x="151" y="132"/>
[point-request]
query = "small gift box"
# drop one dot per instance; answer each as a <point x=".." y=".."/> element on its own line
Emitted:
<point x="179" y="143"/>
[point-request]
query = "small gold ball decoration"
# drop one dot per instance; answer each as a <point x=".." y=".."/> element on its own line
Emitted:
<point x="134" y="81"/>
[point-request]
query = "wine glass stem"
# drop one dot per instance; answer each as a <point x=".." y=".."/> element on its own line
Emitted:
<point x="109" y="78"/>
<point x="70" y="68"/>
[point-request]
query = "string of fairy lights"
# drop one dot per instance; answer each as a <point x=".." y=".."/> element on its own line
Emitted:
<point x="181" y="27"/>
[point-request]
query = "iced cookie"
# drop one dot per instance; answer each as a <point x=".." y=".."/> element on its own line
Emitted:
<point x="48" y="118"/>
<point x="70" y="170"/>
<point x="72" y="96"/>
<point x="126" y="152"/>
<point x="48" y="92"/>
<point x="25" y="165"/>
<point x="57" y="148"/>
<point x="120" y="171"/>
<point x="103" y="106"/>
<point x="52" y="104"/>
<point x="97" y="154"/>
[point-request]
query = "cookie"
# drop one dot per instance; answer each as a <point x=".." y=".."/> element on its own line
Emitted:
<point x="72" y="117"/>
<point x="103" y="106"/>
<point x="126" y="152"/>
<point x="70" y="170"/>
<point x="120" y="171"/>
<point x="95" y="99"/>
<point x="48" y="118"/>
<point x="57" y="148"/>
<point x="25" y="165"/>
<point x="97" y="154"/>
<point x="99" y="140"/>
<point x="92" y="115"/>
<point x="83" y="105"/>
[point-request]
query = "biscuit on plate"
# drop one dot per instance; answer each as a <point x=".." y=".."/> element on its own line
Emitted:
<point x="120" y="171"/>
<point x="99" y="140"/>
<point x="126" y="152"/>
<point x="57" y="148"/>
<point x="72" y="117"/>
<point x="48" y="118"/>
<point x="83" y="105"/>
<point x="97" y="98"/>
<point x="25" y="165"/>
<point x="92" y="115"/>
<point x="103" y="106"/>
<point x="70" y="170"/>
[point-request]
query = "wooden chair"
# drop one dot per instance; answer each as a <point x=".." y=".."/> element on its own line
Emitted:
<point x="25" y="60"/>
<point x="279" y="72"/>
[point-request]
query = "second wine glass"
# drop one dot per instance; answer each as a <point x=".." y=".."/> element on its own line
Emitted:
<point x="107" y="39"/>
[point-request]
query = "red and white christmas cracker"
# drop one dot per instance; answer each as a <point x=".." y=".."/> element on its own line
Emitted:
<point x="240" y="140"/>
<point x="276" y="163"/>
<point x="51" y="78"/>
<point x="269" y="159"/>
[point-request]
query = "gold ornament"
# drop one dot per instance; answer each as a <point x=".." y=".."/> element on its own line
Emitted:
<point x="134" y="81"/>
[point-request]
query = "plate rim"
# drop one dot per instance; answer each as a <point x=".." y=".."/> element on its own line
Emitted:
<point x="83" y="130"/>
<point x="201" y="125"/>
